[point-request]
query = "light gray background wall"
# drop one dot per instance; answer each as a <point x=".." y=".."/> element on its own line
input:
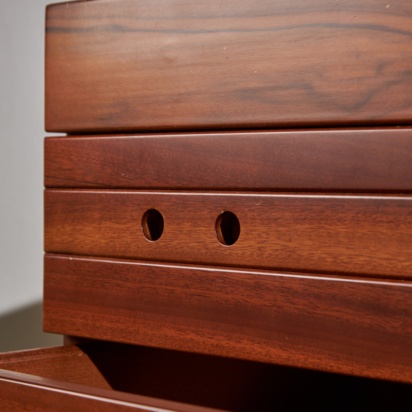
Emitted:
<point x="21" y="169"/>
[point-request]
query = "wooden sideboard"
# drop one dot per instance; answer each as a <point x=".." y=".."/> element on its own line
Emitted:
<point x="228" y="221"/>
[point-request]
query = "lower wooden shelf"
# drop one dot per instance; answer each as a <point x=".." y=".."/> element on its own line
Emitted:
<point x="106" y="376"/>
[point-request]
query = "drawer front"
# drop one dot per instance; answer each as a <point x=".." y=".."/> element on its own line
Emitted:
<point x="353" y="326"/>
<point x="366" y="235"/>
<point x="135" y="65"/>
<point x="369" y="160"/>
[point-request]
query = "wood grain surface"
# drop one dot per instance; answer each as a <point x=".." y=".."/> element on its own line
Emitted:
<point x="368" y="235"/>
<point x="184" y="64"/>
<point x="333" y="160"/>
<point x="351" y="326"/>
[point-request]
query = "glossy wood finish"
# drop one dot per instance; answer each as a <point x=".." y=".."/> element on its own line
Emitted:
<point x="367" y="235"/>
<point x="351" y="326"/>
<point x="310" y="307"/>
<point x="333" y="160"/>
<point x="184" y="64"/>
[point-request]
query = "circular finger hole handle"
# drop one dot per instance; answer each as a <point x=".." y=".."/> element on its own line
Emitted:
<point x="152" y="225"/>
<point x="227" y="228"/>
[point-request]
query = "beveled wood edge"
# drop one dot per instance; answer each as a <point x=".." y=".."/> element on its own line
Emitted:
<point x="132" y="401"/>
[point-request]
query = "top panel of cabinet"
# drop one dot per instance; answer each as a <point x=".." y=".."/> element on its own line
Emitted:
<point x="127" y="65"/>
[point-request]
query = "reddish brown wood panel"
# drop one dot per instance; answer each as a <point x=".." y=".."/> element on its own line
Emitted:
<point x="342" y="234"/>
<point x="346" y="160"/>
<point x="184" y="64"/>
<point x="339" y="325"/>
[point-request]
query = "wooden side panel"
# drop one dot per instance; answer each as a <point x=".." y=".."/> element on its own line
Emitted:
<point x="185" y="64"/>
<point x="346" y="160"/>
<point x="347" y="326"/>
<point x="342" y="234"/>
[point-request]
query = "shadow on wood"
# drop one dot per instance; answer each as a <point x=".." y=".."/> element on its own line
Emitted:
<point x="237" y="385"/>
